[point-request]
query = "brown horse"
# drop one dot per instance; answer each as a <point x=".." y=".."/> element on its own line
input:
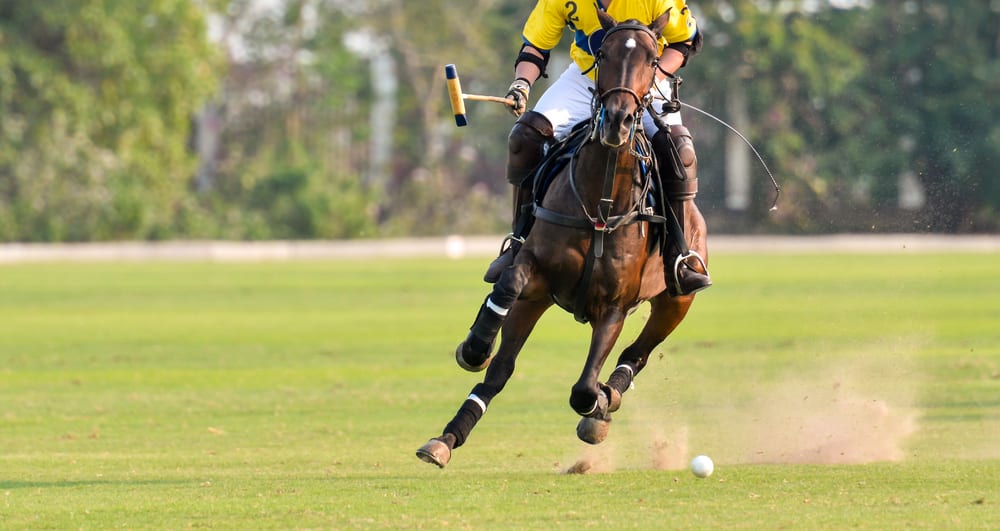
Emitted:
<point x="600" y="266"/>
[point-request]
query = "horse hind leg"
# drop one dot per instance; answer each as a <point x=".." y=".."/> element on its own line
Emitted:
<point x="473" y="354"/>
<point x="667" y="312"/>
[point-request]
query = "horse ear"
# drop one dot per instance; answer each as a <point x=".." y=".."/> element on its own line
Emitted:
<point x="607" y="21"/>
<point x="660" y="23"/>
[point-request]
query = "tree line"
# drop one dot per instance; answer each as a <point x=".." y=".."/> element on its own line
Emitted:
<point x="241" y="119"/>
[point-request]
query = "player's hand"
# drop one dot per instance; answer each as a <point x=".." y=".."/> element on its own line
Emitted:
<point x="518" y="92"/>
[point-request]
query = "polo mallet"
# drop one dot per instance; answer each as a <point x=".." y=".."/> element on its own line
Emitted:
<point x="457" y="98"/>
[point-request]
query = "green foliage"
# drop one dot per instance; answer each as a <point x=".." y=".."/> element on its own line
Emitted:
<point x="793" y="68"/>
<point x="290" y="141"/>
<point x="938" y="64"/>
<point x="845" y="100"/>
<point x="97" y="98"/>
<point x="95" y="105"/>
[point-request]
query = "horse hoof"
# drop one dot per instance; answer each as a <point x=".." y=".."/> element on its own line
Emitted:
<point x="435" y="452"/>
<point x="463" y="364"/>
<point x="592" y="431"/>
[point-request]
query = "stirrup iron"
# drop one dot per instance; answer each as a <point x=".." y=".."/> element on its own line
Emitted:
<point x="509" y="240"/>
<point x="681" y="261"/>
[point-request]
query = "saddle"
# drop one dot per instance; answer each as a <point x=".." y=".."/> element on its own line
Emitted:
<point x="560" y="154"/>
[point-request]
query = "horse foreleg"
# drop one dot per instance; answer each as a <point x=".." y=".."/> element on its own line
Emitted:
<point x="521" y="321"/>
<point x="667" y="312"/>
<point x="473" y="354"/>
<point x="588" y="397"/>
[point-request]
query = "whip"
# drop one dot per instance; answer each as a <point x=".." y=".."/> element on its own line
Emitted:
<point x="777" y="189"/>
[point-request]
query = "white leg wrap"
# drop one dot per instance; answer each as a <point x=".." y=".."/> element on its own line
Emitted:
<point x="627" y="368"/>
<point x="502" y="312"/>
<point x="631" y="374"/>
<point x="478" y="401"/>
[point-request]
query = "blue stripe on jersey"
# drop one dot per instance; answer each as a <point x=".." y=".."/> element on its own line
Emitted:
<point x="589" y="44"/>
<point x="582" y="42"/>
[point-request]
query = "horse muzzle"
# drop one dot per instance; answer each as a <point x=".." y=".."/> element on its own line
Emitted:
<point x="617" y="129"/>
<point x="617" y="125"/>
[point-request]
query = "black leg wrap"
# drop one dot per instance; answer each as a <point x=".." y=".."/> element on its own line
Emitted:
<point x="503" y="296"/>
<point x="467" y="417"/>
<point x="488" y="322"/>
<point x="621" y="379"/>
<point x="484" y="330"/>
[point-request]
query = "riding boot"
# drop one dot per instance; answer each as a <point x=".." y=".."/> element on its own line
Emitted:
<point x="688" y="280"/>
<point x="526" y="147"/>
<point x="512" y="243"/>
<point x="678" y="168"/>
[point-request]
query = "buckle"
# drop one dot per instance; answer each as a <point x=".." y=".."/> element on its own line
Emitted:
<point x="509" y="241"/>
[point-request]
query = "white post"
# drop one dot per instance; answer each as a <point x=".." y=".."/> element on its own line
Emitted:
<point x="383" y="116"/>
<point x="737" y="154"/>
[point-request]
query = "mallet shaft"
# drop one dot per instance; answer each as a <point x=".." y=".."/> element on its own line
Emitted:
<point x="478" y="97"/>
<point x="457" y="98"/>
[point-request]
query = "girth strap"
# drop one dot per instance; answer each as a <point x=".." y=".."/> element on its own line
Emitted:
<point x="613" y="224"/>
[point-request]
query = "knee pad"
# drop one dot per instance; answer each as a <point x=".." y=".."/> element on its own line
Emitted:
<point x="526" y="145"/>
<point x="685" y="148"/>
<point x="678" y="163"/>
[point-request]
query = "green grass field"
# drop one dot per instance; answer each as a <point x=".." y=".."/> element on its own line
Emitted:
<point x="833" y="391"/>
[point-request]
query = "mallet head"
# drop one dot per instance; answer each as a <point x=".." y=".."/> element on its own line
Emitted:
<point x="455" y="95"/>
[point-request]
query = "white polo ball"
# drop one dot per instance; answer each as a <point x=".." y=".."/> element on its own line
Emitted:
<point x="702" y="466"/>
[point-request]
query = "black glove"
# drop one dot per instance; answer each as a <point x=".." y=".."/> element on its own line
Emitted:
<point x="518" y="92"/>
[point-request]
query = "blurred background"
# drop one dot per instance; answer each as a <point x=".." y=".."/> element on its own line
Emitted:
<point x="329" y="119"/>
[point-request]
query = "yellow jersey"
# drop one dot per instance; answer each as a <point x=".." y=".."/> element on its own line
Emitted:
<point x="549" y="18"/>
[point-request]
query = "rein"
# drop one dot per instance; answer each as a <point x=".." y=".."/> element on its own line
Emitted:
<point x="602" y="222"/>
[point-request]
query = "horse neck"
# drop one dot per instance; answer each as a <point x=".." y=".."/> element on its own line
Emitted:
<point x="591" y="170"/>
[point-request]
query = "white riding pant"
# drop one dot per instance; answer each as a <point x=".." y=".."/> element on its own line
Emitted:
<point x="567" y="102"/>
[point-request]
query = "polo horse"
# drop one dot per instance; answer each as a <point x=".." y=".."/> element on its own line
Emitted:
<point x="593" y="251"/>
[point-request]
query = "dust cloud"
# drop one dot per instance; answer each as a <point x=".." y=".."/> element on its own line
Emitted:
<point x="830" y="422"/>
<point x="845" y="413"/>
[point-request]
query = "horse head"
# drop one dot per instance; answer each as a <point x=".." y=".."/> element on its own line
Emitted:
<point x="626" y="70"/>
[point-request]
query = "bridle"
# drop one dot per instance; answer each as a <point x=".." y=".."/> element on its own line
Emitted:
<point x="598" y="103"/>
<point x="603" y="221"/>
